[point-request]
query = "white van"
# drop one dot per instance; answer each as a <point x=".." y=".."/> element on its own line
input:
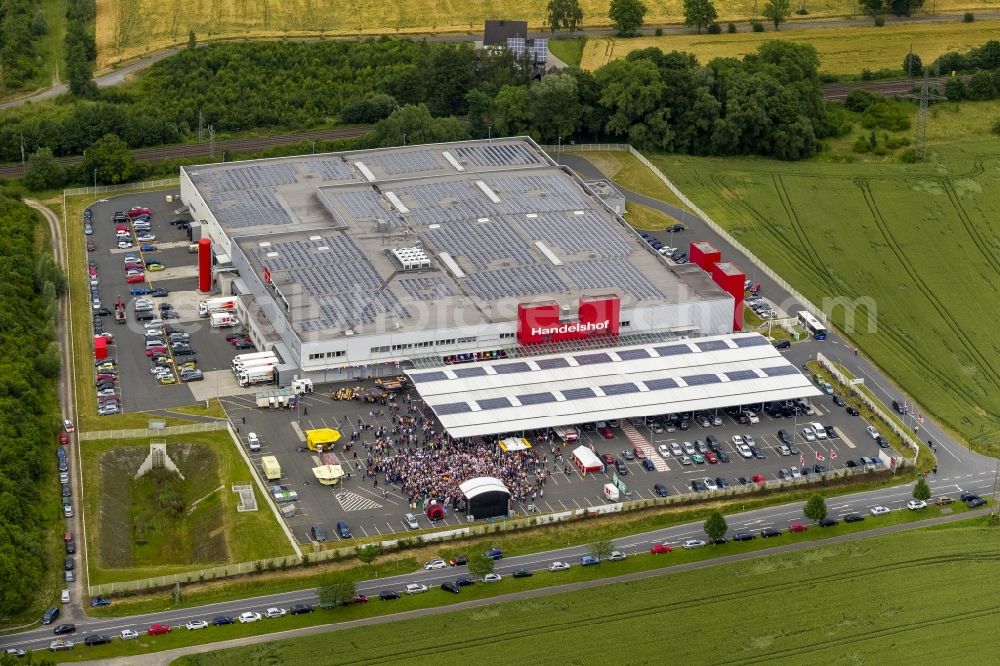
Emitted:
<point x="819" y="429"/>
<point x="253" y="442"/>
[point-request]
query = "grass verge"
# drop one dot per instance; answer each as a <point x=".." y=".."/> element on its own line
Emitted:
<point x="646" y="218"/>
<point x="211" y="409"/>
<point x="630" y="173"/>
<point x="774" y="575"/>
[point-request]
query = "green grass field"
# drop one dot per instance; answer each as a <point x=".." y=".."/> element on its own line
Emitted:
<point x="842" y="51"/>
<point x="899" y="599"/>
<point x="911" y="250"/>
<point x="210" y="533"/>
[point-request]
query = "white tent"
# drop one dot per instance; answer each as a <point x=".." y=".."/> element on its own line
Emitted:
<point x="586" y="460"/>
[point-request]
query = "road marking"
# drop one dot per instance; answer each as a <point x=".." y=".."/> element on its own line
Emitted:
<point x="350" y="501"/>
<point x="298" y="431"/>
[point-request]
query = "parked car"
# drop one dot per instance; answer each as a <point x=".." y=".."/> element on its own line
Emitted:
<point x="249" y="616"/>
<point x="386" y="595"/>
<point x="222" y="619"/>
<point x="916" y="505"/>
<point x="299" y="609"/>
<point x="196" y="624"/>
<point x="61" y="644"/>
<point x="448" y="586"/>
<point x="660" y="548"/>
<point x="769" y="532"/>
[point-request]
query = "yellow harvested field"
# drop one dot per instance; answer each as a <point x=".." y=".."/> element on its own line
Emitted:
<point x="133" y="28"/>
<point x="841" y="50"/>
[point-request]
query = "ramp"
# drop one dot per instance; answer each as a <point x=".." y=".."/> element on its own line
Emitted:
<point x="639" y="441"/>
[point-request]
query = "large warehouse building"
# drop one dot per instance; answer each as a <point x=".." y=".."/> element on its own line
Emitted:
<point x="359" y="263"/>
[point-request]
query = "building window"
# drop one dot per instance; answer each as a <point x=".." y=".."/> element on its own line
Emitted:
<point x="380" y="350"/>
<point x="463" y="341"/>
<point x="403" y="346"/>
<point x="625" y="324"/>
<point x="446" y="342"/>
<point x="507" y="335"/>
<point x="335" y="354"/>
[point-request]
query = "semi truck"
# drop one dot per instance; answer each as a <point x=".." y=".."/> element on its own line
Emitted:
<point x="272" y="470"/>
<point x="221" y="304"/>
<point x="254" y="365"/>
<point x="256" y="376"/>
<point x="241" y="360"/>
<point x="223" y="320"/>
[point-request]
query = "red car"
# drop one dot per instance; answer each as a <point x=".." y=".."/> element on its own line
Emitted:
<point x="608" y="458"/>
<point x="63" y="438"/>
<point x="156" y="350"/>
<point x="136" y="279"/>
<point x="639" y="454"/>
<point x="359" y="599"/>
<point x="158" y="629"/>
<point x="67" y="537"/>
<point x="757" y="478"/>
<point x="711" y="458"/>
<point x="121" y="227"/>
<point x="136" y="211"/>
<point x="607" y="433"/>
<point x="797" y="527"/>
<point x="660" y="548"/>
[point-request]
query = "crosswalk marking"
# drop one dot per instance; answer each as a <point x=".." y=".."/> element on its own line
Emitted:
<point x="353" y="502"/>
<point x="640" y="442"/>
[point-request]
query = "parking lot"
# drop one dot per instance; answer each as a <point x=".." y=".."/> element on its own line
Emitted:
<point x="138" y="388"/>
<point x="378" y="509"/>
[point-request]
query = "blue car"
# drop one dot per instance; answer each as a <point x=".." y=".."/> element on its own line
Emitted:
<point x="147" y="248"/>
<point x="139" y="291"/>
<point x="159" y="292"/>
<point x="589" y="561"/>
<point x="100" y="601"/>
<point x="494" y="554"/>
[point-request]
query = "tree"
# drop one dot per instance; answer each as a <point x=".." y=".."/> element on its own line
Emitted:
<point x="336" y="591"/>
<point x="921" y="490"/>
<point x="980" y="86"/>
<point x="699" y="13"/>
<point x="44" y="171"/>
<point x="716" y="526"/>
<point x="556" y="108"/>
<point x="602" y="549"/>
<point x="480" y="565"/>
<point x="905" y="7"/>
<point x="815" y="508"/>
<point x="513" y="111"/>
<point x="111" y="159"/>
<point x="414" y="124"/>
<point x="913" y="65"/>
<point x="192" y="40"/>
<point x="368" y="553"/>
<point x="777" y="11"/>
<point x="565" y="14"/>
<point x="874" y="8"/>
<point x="627" y="16"/>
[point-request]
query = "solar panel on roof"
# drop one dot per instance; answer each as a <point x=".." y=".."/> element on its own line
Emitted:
<point x="712" y="345"/>
<point x="616" y="273"/>
<point x="426" y="288"/>
<point x="619" y="389"/>
<point x="660" y="384"/>
<point x="780" y="371"/>
<point x="576" y="234"/>
<point x="452" y="408"/>
<point x="511" y="368"/>
<point x="578" y="393"/>
<point x="737" y="375"/>
<point x="551" y="363"/>
<point x="493" y="403"/>
<point x="469" y="372"/>
<point x="751" y="341"/>
<point x="536" y="398"/>
<point x="497" y="154"/>
<point x="428" y="377"/>
<point x="673" y="350"/>
<point x="632" y="354"/>
<point x="514" y="282"/>
<point x="697" y="380"/>
<point x="592" y="359"/>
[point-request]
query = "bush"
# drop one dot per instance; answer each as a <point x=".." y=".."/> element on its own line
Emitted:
<point x="879" y="21"/>
<point x="866" y="74"/>
<point x="714" y="29"/>
<point x="894" y="142"/>
<point x="968" y="17"/>
<point x="757" y="26"/>
<point x="952" y="61"/>
<point x="887" y="115"/>
<point x="862" y="145"/>
<point x="980" y="86"/>
<point x="802" y="11"/>
<point x="909" y="156"/>
<point x="859" y="100"/>
<point x="731" y="27"/>
<point x="954" y="89"/>
<point x="370" y="109"/>
<point x="658" y="32"/>
<point x="881" y="149"/>
<point x="995" y="128"/>
<point x="913" y="65"/>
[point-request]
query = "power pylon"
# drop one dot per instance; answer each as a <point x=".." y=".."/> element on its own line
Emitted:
<point x="924" y="97"/>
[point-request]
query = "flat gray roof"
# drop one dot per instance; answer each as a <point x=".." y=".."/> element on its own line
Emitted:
<point x="497" y="222"/>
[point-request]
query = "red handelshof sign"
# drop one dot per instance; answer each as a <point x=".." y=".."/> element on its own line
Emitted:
<point x="542" y="322"/>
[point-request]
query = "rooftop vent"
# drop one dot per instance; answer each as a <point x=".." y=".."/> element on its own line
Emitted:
<point x="411" y="258"/>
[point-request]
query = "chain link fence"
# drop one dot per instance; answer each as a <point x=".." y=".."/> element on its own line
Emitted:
<point x="133" y="433"/>
<point x="123" y="187"/>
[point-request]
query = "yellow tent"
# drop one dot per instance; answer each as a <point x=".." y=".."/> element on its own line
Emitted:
<point x="324" y="437"/>
<point x="328" y="475"/>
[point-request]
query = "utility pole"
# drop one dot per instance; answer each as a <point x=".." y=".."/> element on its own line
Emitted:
<point x="924" y="97"/>
<point x="24" y="167"/>
<point x="211" y="140"/>
<point x="201" y="127"/>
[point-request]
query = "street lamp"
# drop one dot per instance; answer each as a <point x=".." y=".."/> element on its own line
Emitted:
<point x="489" y="133"/>
<point x="559" y="152"/>
<point x="95" y="180"/>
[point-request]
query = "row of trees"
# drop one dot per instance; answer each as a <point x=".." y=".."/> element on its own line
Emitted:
<point x="22" y="22"/>
<point x="768" y="103"/>
<point x="29" y="413"/>
<point x="81" y="50"/>
<point x="628" y="15"/>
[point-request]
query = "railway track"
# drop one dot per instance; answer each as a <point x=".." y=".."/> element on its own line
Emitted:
<point x="839" y="91"/>
<point x="164" y="153"/>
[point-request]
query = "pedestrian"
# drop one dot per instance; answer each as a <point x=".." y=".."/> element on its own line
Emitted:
<point x="237" y="430"/>
<point x="244" y="420"/>
<point x="305" y="411"/>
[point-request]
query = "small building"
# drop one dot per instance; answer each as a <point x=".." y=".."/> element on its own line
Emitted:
<point x="587" y="461"/>
<point x="513" y="36"/>
<point x="486" y="497"/>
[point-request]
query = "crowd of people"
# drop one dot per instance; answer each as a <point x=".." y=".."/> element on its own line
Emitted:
<point x="421" y="463"/>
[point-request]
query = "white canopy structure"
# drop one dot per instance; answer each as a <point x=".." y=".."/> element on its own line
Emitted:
<point x="586" y="460"/>
<point x="485" y="398"/>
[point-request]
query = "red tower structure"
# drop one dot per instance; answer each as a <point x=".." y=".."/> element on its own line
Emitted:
<point x="205" y="265"/>
<point x="728" y="275"/>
